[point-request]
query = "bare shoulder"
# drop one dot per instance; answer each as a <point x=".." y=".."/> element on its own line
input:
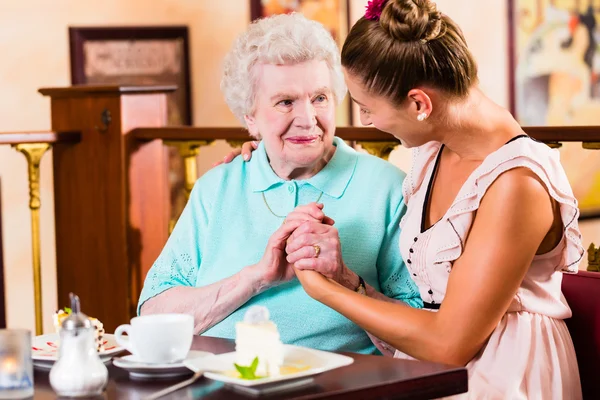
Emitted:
<point x="518" y="196"/>
<point x="518" y="184"/>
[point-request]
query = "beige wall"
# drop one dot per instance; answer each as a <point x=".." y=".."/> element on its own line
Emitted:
<point x="34" y="45"/>
<point x="35" y="53"/>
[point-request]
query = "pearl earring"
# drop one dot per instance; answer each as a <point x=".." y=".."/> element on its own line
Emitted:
<point x="421" y="117"/>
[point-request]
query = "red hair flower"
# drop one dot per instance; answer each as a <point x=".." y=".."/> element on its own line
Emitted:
<point x="374" y="9"/>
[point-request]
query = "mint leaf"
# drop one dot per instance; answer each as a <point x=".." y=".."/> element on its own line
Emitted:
<point x="248" y="372"/>
<point x="245" y="372"/>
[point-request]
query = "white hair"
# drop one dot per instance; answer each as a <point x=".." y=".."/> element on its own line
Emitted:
<point x="284" y="39"/>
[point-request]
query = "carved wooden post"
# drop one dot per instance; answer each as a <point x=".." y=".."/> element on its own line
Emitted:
<point x="111" y="196"/>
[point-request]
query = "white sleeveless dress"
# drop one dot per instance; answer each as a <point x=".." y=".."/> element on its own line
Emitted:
<point x="530" y="354"/>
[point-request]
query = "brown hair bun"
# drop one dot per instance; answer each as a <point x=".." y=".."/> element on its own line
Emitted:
<point x="412" y="20"/>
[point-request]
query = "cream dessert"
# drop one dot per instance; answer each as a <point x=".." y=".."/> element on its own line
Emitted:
<point x="60" y="315"/>
<point x="258" y="338"/>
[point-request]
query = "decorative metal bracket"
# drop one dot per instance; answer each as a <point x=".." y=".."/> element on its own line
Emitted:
<point x="189" y="151"/>
<point x="379" y="149"/>
<point x="236" y="144"/>
<point x="593" y="258"/>
<point x="554" y="145"/>
<point x="591" y="145"/>
<point x="33" y="153"/>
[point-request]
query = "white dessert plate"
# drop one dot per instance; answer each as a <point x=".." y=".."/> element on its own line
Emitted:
<point x="45" y="347"/>
<point x="299" y="362"/>
<point x="142" y="370"/>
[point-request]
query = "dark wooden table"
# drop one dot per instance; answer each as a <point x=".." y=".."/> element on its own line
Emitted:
<point x="369" y="377"/>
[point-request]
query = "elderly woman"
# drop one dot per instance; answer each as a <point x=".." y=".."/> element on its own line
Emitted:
<point x="283" y="79"/>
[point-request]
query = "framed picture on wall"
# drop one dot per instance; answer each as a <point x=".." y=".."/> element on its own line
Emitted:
<point x="140" y="55"/>
<point x="135" y="56"/>
<point x="554" y="53"/>
<point x="333" y="14"/>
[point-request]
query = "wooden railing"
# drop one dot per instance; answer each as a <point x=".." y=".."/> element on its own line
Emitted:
<point x="588" y="135"/>
<point x="374" y="141"/>
<point x="189" y="140"/>
<point x="546" y="134"/>
<point x="17" y="138"/>
<point x="111" y="191"/>
<point x="33" y="145"/>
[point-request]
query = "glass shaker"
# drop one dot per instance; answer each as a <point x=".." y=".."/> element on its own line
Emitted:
<point x="78" y="372"/>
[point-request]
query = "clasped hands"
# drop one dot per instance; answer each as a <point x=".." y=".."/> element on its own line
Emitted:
<point x="307" y="246"/>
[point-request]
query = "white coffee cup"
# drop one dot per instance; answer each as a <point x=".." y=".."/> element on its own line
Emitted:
<point x="158" y="338"/>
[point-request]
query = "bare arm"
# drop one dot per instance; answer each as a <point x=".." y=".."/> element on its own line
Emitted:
<point x="514" y="217"/>
<point x="385" y="348"/>
<point x="211" y="304"/>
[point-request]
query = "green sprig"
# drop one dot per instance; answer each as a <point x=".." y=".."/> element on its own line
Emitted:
<point x="248" y="372"/>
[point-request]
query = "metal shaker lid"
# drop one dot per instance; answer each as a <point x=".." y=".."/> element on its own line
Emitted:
<point x="77" y="319"/>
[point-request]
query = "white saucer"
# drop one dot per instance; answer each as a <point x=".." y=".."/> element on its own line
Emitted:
<point x="46" y="365"/>
<point x="141" y="370"/>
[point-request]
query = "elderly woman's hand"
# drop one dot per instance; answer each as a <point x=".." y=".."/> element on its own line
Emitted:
<point x="316" y="246"/>
<point x="309" y="212"/>
<point x="273" y="268"/>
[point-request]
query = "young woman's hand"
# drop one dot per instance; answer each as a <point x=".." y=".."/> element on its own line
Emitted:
<point x="246" y="152"/>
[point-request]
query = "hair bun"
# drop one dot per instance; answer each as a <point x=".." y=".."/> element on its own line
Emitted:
<point x="412" y="20"/>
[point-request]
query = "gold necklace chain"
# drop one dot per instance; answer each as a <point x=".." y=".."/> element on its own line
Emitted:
<point x="283" y="216"/>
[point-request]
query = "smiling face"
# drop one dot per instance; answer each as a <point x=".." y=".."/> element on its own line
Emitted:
<point x="402" y="121"/>
<point x="295" y="116"/>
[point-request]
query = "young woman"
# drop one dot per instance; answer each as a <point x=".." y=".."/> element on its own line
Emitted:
<point x="491" y="221"/>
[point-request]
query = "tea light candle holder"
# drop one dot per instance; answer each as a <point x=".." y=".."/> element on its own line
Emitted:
<point x="16" y="367"/>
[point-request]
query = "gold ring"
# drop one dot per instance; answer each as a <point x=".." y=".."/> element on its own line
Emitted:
<point x="317" y="250"/>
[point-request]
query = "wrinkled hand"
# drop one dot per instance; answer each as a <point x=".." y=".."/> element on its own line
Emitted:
<point x="246" y="151"/>
<point x="329" y="263"/>
<point x="273" y="267"/>
<point x="309" y="212"/>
